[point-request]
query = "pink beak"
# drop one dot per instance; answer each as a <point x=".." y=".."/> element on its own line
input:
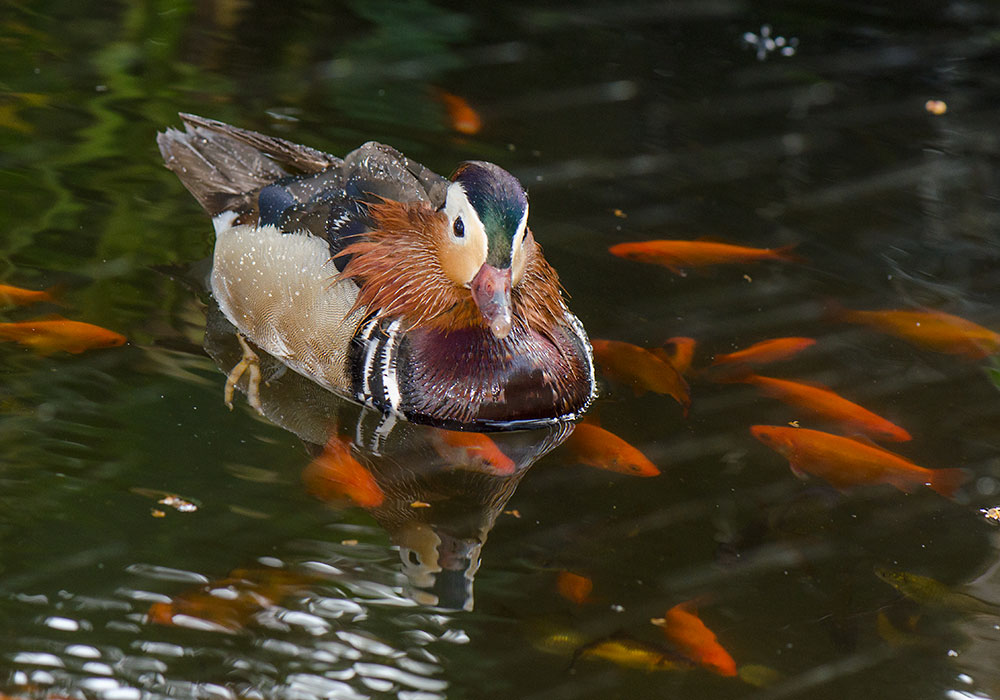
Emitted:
<point x="491" y="292"/>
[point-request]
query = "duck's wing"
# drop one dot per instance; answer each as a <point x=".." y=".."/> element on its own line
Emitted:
<point x="221" y="165"/>
<point x="267" y="180"/>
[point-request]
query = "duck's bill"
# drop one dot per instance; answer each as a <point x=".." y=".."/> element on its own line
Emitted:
<point x="491" y="292"/>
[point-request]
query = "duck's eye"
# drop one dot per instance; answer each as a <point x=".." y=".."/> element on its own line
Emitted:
<point x="459" y="228"/>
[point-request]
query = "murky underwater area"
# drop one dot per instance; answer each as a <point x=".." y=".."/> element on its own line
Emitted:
<point x="156" y="544"/>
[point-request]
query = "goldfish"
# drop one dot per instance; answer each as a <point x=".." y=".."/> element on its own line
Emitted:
<point x="844" y="462"/>
<point x="55" y="333"/>
<point x="680" y="353"/>
<point x="574" y="587"/>
<point x="246" y="593"/>
<point x="759" y="676"/>
<point x="677" y="255"/>
<point x="597" y="447"/>
<point x="464" y="119"/>
<point x="765" y="351"/>
<point x="337" y="473"/>
<point x="685" y="630"/>
<point x="904" y="634"/>
<point x="935" y="330"/>
<point x="827" y="404"/>
<point x="633" y="653"/>
<point x="476" y="450"/>
<point x="642" y="370"/>
<point x="15" y="296"/>
<point x="932" y="593"/>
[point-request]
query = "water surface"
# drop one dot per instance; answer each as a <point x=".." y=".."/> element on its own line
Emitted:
<point x="625" y="122"/>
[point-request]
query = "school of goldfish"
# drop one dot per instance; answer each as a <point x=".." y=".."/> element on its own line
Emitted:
<point x="846" y="458"/>
<point x="50" y="334"/>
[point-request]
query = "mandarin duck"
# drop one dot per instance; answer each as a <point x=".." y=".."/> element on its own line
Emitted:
<point x="423" y="297"/>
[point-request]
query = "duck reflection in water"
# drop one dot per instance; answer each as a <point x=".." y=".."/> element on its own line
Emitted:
<point x="436" y="493"/>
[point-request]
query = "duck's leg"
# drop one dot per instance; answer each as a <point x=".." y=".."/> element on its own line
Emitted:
<point x="250" y="363"/>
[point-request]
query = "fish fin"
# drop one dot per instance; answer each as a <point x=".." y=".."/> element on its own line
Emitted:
<point x="662" y="354"/>
<point x="728" y="372"/>
<point x="785" y="253"/>
<point x="833" y="310"/>
<point x="864" y="440"/>
<point x="56" y="291"/>
<point x="797" y="471"/>
<point x="947" y="481"/>
<point x="47" y="317"/>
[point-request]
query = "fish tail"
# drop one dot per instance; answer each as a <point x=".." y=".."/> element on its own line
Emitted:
<point x="55" y="293"/>
<point x="947" y="481"/>
<point x="785" y="253"/>
<point x="833" y="310"/>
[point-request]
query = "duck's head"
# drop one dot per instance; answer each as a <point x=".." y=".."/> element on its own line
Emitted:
<point x="484" y="249"/>
<point x="473" y="261"/>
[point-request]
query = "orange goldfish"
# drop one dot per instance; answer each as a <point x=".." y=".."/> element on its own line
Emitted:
<point x="765" y="351"/>
<point x="15" y="296"/>
<point x="845" y="463"/>
<point x="693" y="639"/>
<point x="55" y="333"/>
<point x="247" y="593"/>
<point x="474" y="450"/>
<point x="336" y="473"/>
<point x="680" y="352"/>
<point x="596" y="447"/>
<point x="826" y="404"/>
<point x="641" y="369"/>
<point x="574" y="587"/>
<point x="677" y="255"/>
<point x="464" y="119"/>
<point x="931" y="329"/>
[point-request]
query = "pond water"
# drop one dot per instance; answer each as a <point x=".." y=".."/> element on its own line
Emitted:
<point x="134" y="501"/>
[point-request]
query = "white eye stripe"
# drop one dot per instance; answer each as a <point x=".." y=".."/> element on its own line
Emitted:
<point x="457" y="206"/>
<point x="462" y="256"/>
<point x="522" y="228"/>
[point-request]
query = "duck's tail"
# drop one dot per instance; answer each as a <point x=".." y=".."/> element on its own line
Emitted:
<point x="220" y="164"/>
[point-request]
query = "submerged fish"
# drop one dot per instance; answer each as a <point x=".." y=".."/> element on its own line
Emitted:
<point x="574" y="587"/>
<point x="685" y="630"/>
<point x="15" y="296"/>
<point x="827" y="404"/>
<point x="464" y="119"/>
<point x="55" y="333"/>
<point x="931" y="329"/>
<point x="633" y="653"/>
<point x="336" y="473"/>
<point x="471" y="450"/>
<point x="641" y="369"/>
<point x="845" y="463"/>
<point x="678" y="351"/>
<point x="597" y="447"/>
<point x="230" y="604"/>
<point x="932" y="593"/>
<point x="765" y="352"/>
<point x="677" y="255"/>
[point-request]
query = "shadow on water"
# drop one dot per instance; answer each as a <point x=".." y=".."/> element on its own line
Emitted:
<point x="157" y="545"/>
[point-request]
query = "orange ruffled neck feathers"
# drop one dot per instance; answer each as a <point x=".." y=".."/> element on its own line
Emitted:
<point x="400" y="275"/>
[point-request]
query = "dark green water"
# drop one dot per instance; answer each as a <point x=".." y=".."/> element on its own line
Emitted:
<point x="658" y="110"/>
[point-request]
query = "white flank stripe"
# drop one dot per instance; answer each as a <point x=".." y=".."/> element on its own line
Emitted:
<point x="389" y="382"/>
<point x="370" y="347"/>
